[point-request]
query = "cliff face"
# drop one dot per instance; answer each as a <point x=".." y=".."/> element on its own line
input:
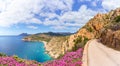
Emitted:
<point x="111" y="38"/>
<point x="55" y="46"/>
<point x="111" y="35"/>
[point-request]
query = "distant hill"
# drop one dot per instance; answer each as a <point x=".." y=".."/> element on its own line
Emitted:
<point x="24" y="34"/>
<point x="45" y="36"/>
<point x="56" y="33"/>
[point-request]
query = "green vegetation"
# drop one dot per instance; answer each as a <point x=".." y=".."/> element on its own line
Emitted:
<point x="2" y="54"/>
<point x="79" y="42"/>
<point x="46" y="36"/>
<point x="88" y="28"/>
<point x="61" y="55"/>
<point x="18" y="59"/>
<point x="117" y="19"/>
<point x="85" y="40"/>
<point x="107" y="17"/>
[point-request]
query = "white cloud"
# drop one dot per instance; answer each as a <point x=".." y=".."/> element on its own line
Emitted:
<point x="19" y="11"/>
<point x="110" y="4"/>
<point x="71" y="19"/>
<point x="22" y="11"/>
<point x="32" y="27"/>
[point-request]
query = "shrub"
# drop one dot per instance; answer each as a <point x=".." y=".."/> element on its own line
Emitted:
<point x="117" y="19"/>
<point x="85" y="40"/>
<point x="2" y="54"/>
<point x="89" y="29"/>
<point x="79" y="43"/>
<point x="78" y="40"/>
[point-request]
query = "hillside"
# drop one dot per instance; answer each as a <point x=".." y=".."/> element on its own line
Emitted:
<point x="96" y="28"/>
<point x="45" y="36"/>
<point x="104" y="26"/>
<point x="24" y="34"/>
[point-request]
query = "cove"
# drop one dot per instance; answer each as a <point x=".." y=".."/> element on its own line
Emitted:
<point x="13" y="45"/>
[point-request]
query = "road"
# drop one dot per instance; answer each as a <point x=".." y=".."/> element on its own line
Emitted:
<point x="96" y="54"/>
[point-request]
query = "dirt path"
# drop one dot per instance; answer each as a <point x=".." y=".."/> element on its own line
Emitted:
<point x="96" y="54"/>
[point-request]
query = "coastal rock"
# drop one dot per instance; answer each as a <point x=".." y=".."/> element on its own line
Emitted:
<point x="55" y="46"/>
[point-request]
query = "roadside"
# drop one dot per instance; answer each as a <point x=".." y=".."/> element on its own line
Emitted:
<point x="96" y="54"/>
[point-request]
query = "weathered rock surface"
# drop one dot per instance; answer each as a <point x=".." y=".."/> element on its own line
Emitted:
<point x="55" y="46"/>
<point x="111" y="38"/>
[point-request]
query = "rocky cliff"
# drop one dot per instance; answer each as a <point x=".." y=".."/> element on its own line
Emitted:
<point x="104" y="26"/>
<point x="91" y="30"/>
<point x="111" y="38"/>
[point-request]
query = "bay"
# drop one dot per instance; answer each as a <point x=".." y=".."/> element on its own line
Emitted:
<point x="13" y="45"/>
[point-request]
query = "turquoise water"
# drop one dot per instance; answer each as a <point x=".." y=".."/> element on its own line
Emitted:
<point x="13" y="45"/>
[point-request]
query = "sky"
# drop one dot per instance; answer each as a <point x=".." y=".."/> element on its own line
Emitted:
<point x="35" y="16"/>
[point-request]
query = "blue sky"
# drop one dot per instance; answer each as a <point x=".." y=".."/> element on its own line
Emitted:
<point x="34" y="16"/>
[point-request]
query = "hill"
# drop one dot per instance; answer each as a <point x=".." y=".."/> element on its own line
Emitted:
<point x="102" y="26"/>
<point x="45" y="36"/>
<point x="24" y="34"/>
<point x="95" y="29"/>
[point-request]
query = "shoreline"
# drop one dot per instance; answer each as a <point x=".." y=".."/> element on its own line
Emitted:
<point x="46" y="47"/>
<point x="45" y="43"/>
<point x="46" y="51"/>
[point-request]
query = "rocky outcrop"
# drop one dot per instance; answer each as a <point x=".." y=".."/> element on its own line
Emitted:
<point x="55" y="46"/>
<point x="111" y="38"/>
<point x="111" y="35"/>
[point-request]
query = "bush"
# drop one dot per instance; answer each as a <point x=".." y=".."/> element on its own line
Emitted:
<point x="2" y="54"/>
<point x="78" y="40"/>
<point x="79" y="43"/>
<point x="89" y="29"/>
<point x="85" y="40"/>
<point x="18" y="59"/>
<point x="117" y="19"/>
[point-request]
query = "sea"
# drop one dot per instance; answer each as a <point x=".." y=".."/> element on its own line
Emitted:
<point x="13" y="45"/>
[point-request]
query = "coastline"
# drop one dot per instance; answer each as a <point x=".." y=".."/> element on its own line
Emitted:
<point x="47" y="48"/>
<point x="46" y="51"/>
<point x="45" y="43"/>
